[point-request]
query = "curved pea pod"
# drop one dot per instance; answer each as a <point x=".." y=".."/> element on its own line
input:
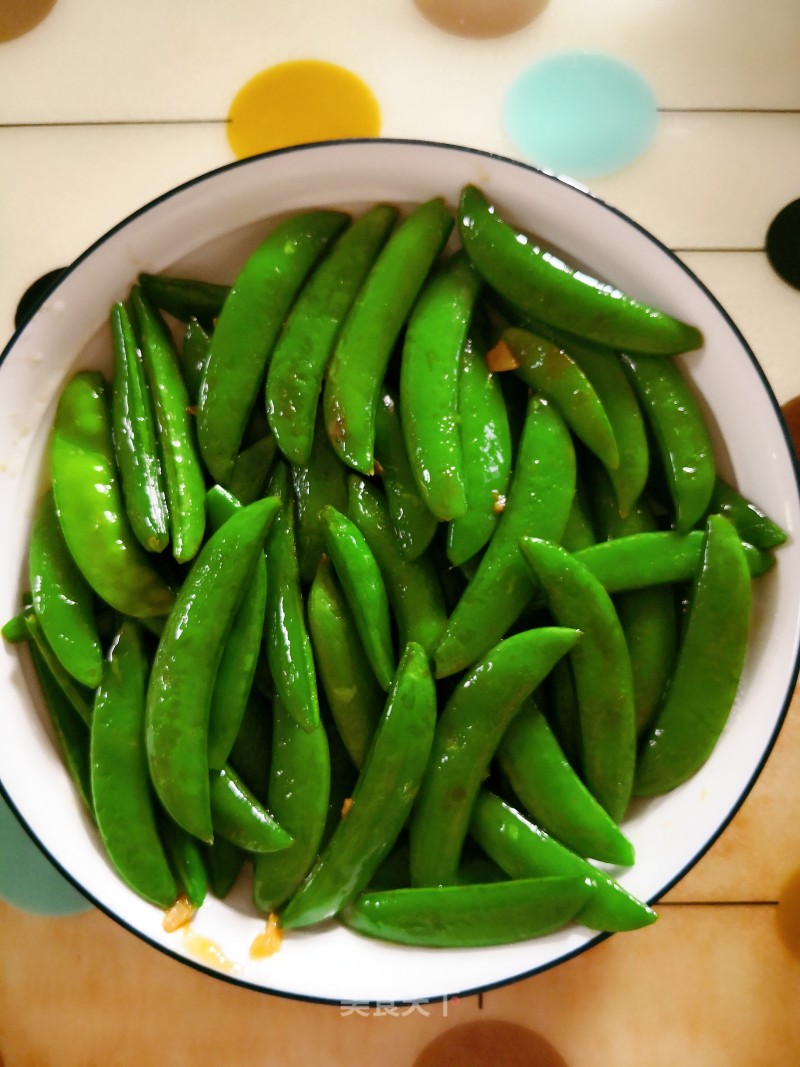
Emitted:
<point x="251" y="470"/>
<point x="579" y="530"/>
<point x="463" y="916"/>
<point x="194" y="356"/>
<point x="547" y="368"/>
<point x="429" y="371"/>
<point x="553" y="795"/>
<point x="299" y="789"/>
<point x="90" y="507"/>
<point x="601" y="668"/>
<point x="15" y="630"/>
<point x="414" y="589"/>
<point x="185" y="298"/>
<point x="248" y="327"/>
<point x="364" y="590"/>
<point x="288" y="645"/>
<point x="224" y="862"/>
<point x="539" y="501"/>
<point x="523" y="850"/>
<point x="185" y="855"/>
<point x="123" y="800"/>
<point x="680" y="433"/>
<point x="309" y="334"/>
<point x="465" y="741"/>
<point x="754" y="526"/>
<point x="78" y="695"/>
<point x="413" y="523"/>
<point x="186" y="662"/>
<point x="240" y="818"/>
<point x="135" y="440"/>
<point x="649" y="620"/>
<point x="486" y="449"/>
<point x="358" y="365"/>
<point x="703" y="685"/>
<point x="323" y="480"/>
<point x="252" y="750"/>
<point x="537" y="281"/>
<point x="183" y="476"/>
<point x="381" y="800"/>
<point x="62" y="599"/>
<point x="560" y="703"/>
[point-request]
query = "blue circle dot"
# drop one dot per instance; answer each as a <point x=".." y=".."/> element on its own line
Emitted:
<point x="583" y="114"/>
<point x="28" y="880"/>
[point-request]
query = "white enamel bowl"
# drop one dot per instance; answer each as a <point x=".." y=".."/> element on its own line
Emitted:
<point x="206" y="228"/>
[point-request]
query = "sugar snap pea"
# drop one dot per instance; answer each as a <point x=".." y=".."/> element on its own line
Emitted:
<point x="754" y="526"/>
<point x="364" y="346"/>
<point x="239" y="817"/>
<point x="536" y="280"/>
<point x="251" y="470"/>
<point x="321" y="481"/>
<point x="185" y="855"/>
<point x="224" y="862"/>
<point x="79" y="696"/>
<point x="248" y="326"/>
<point x="465" y="741"/>
<point x="194" y="355"/>
<point x="185" y="298"/>
<point x="90" y="507"/>
<point x="186" y="661"/>
<point x="15" y="630"/>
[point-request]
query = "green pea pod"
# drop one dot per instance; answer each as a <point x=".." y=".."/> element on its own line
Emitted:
<point x="78" y="695"/>
<point x="62" y="599"/>
<point x="413" y="523"/>
<point x="301" y="354"/>
<point x="185" y="298"/>
<point x="579" y="531"/>
<point x="601" y="669"/>
<point x="362" y="582"/>
<point x="186" y="662"/>
<point x="323" y="480"/>
<point x="703" y="685"/>
<point x="560" y="703"/>
<point x="429" y="371"/>
<point x="299" y="790"/>
<point x="238" y="816"/>
<point x="486" y="449"/>
<point x="15" y="631"/>
<point x="413" y="586"/>
<point x="135" y="439"/>
<point x="251" y="470"/>
<point x="354" y="696"/>
<point x="248" y="327"/>
<point x="194" y="356"/>
<point x="123" y="800"/>
<point x="252" y="750"/>
<point x="358" y="365"/>
<point x="185" y="854"/>
<point x="237" y="666"/>
<point x="537" y="281"/>
<point x="381" y="800"/>
<point x="539" y="501"/>
<point x="72" y="734"/>
<point x="680" y="434"/>
<point x="183" y="475"/>
<point x="524" y="850"/>
<point x="224" y="862"/>
<point x="649" y="620"/>
<point x="90" y="508"/>
<point x="553" y="795"/>
<point x="465" y="741"/>
<point x="547" y="368"/>
<point x="465" y="916"/>
<point x="754" y="526"/>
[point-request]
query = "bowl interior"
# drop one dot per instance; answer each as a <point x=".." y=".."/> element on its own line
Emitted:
<point x="206" y="228"/>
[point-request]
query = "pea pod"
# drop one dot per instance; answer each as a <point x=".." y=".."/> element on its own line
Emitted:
<point x="239" y="817"/>
<point x="183" y="475"/>
<point x="754" y="526"/>
<point x="62" y="599"/>
<point x="309" y="334"/>
<point x="135" y="440"/>
<point x="537" y="281"/>
<point x="90" y="507"/>
<point x="463" y="916"/>
<point x="300" y="781"/>
<point x="248" y="327"/>
<point x="703" y="685"/>
<point x="381" y="800"/>
<point x="680" y="434"/>
<point x="649" y="620"/>
<point x="185" y="298"/>
<point x="194" y="356"/>
<point x="601" y="668"/>
<point x="78" y="695"/>
<point x="251" y="470"/>
<point x="224" y="862"/>
<point x="364" y="346"/>
<point x="553" y="795"/>
<point x="486" y="449"/>
<point x="123" y="800"/>
<point x="364" y="589"/>
<point x="322" y="481"/>
<point x="15" y="631"/>
<point x="429" y="370"/>
<point x="186" y="661"/>
<point x="252" y="750"/>
<point x="185" y="855"/>
<point x="539" y="502"/>
<point x="465" y="741"/>
<point x="524" y="850"/>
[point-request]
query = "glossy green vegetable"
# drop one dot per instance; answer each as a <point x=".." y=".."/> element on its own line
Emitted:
<point x="194" y="356"/>
<point x="251" y="470"/>
<point x="224" y="862"/>
<point x="238" y="816"/>
<point x="323" y="480"/>
<point x="78" y="695"/>
<point x="754" y="525"/>
<point x="185" y="855"/>
<point x="185" y="298"/>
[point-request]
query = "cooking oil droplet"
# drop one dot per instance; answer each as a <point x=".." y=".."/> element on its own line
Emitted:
<point x="299" y="102"/>
<point x="480" y="18"/>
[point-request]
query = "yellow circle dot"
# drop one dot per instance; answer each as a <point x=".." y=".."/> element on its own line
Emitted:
<point x="299" y="102"/>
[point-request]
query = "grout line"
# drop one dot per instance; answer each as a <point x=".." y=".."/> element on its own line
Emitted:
<point x="729" y="110"/>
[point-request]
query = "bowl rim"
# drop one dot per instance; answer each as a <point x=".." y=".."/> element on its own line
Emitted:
<point x="578" y="189"/>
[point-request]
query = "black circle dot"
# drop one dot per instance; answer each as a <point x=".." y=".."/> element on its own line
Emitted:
<point x="783" y="243"/>
<point x="34" y="293"/>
